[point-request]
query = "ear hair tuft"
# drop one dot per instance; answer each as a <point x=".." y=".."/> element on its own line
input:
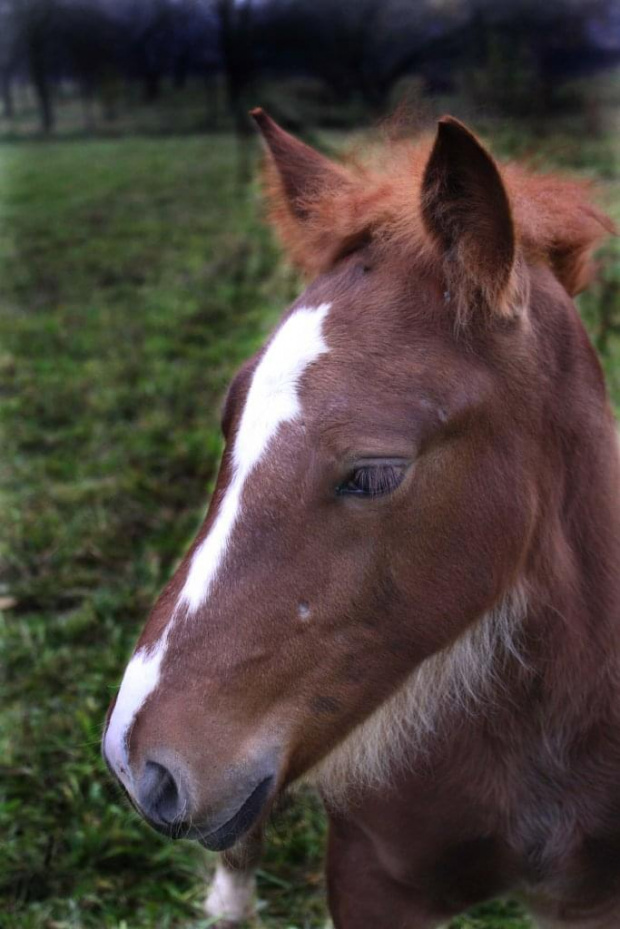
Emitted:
<point x="443" y="203"/>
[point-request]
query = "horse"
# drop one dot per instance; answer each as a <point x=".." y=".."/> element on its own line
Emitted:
<point x="406" y="588"/>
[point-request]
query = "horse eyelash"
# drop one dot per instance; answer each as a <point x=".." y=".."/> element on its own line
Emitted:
<point x="372" y="480"/>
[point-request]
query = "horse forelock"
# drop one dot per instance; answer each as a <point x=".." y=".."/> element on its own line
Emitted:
<point x="379" y="197"/>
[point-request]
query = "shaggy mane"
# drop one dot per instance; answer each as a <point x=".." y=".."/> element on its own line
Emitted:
<point x="461" y="680"/>
<point x="555" y="221"/>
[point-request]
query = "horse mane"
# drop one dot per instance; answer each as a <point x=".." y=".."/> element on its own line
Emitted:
<point x="378" y="194"/>
<point x="464" y="679"/>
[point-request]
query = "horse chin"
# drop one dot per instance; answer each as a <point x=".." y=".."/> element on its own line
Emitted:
<point x="228" y="834"/>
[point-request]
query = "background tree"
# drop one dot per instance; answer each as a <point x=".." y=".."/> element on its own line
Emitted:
<point x="9" y="55"/>
<point x="34" y="27"/>
<point x="87" y="37"/>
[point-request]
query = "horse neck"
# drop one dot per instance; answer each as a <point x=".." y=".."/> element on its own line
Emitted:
<point x="573" y="614"/>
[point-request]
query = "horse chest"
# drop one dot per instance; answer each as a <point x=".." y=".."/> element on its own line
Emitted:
<point x="453" y="852"/>
<point x="438" y="846"/>
<point x="567" y="830"/>
<point x="581" y="877"/>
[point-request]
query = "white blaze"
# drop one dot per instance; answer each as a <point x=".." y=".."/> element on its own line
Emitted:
<point x="272" y="399"/>
<point x="140" y="679"/>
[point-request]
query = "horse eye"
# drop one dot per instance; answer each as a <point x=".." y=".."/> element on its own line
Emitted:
<point x="371" y="481"/>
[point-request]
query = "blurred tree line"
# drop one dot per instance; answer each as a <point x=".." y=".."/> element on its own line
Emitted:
<point x="512" y="55"/>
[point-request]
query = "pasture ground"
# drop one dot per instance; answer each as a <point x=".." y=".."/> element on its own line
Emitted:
<point x="135" y="276"/>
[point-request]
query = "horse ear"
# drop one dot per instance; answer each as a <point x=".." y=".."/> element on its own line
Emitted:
<point x="466" y="211"/>
<point x="301" y="173"/>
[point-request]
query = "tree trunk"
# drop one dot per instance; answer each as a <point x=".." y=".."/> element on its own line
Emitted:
<point x="180" y="74"/>
<point x="87" y="95"/>
<point x="152" y="86"/>
<point x="43" y="92"/>
<point x="236" y="48"/>
<point x="242" y="132"/>
<point x="7" y="96"/>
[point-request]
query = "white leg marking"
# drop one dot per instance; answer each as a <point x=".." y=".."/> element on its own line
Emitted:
<point x="272" y="399"/>
<point x="232" y="894"/>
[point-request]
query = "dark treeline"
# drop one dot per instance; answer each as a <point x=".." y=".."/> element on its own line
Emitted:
<point x="514" y="55"/>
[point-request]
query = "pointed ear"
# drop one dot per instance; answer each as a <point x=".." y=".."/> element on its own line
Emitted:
<point x="466" y="211"/>
<point x="301" y="173"/>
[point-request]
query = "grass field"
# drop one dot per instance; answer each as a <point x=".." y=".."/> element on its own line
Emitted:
<point x="134" y="278"/>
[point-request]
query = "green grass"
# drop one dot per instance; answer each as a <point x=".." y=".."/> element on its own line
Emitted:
<point x="134" y="278"/>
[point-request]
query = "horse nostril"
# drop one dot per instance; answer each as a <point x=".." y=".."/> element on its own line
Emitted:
<point x="159" y="795"/>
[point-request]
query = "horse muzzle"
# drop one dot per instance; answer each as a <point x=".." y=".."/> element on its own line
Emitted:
<point x="167" y="807"/>
<point x="215" y="810"/>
